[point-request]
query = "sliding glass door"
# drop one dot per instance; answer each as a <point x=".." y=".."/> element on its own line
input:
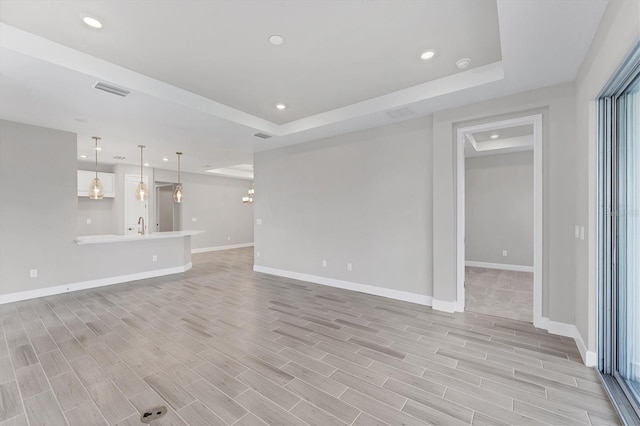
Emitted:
<point x="628" y="240"/>
<point x="619" y="242"/>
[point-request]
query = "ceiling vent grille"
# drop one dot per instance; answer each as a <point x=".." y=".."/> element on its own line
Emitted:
<point x="111" y="89"/>
<point x="118" y="157"/>
<point x="400" y="113"/>
<point x="262" y="135"/>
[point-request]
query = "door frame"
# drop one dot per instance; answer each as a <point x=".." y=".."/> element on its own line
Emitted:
<point x="536" y="121"/>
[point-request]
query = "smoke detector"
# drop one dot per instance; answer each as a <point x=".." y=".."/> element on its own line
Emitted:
<point x="463" y="63"/>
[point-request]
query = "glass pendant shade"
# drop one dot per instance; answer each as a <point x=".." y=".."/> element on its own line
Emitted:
<point x="96" y="191"/>
<point x="178" y="193"/>
<point x="142" y="194"/>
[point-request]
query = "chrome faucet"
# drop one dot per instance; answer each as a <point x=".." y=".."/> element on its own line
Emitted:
<point x="141" y="221"/>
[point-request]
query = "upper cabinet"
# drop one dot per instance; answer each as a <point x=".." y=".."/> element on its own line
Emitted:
<point x="108" y="183"/>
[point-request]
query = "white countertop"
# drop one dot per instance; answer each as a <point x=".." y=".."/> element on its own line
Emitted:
<point x="101" y="239"/>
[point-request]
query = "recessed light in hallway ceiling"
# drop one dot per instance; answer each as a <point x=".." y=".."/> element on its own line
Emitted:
<point x="281" y="106"/>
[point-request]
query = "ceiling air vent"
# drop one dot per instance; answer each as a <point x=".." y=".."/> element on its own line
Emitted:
<point x="111" y="89"/>
<point x="262" y="135"/>
<point x="118" y="157"/>
<point x="400" y="113"/>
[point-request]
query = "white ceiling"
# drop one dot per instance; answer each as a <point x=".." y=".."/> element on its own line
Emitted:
<point x="508" y="140"/>
<point x="203" y="77"/>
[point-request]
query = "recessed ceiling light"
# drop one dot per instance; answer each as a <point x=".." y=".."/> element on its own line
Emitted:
<point x="463" y="63"/>
<point x="281" y="106"/>
<point x="427" y="54"/>
<point x="276" y="40"/>
<point x="92" y="22"/>
<point x="146" y="164"/>
<point x="83" y="156"/>
<point x="495" y="136"/>
<point x="98" y="148"/>
<point x="165" y="159"/>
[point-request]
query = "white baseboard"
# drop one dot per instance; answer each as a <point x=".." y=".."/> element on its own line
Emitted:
<point x="445" y="306"/>
<point x="589" y="358"/>
<point x="406" y="296"/>
<point x="503" y="266"/>
<point x="59" y="289"/>
<point x="218" y="248"/>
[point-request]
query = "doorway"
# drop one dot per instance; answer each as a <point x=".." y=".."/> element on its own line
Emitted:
<point x="167" y="211"/>
<point x="499" y="258"/>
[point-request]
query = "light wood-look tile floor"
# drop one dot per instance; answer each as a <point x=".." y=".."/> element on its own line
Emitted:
<point x="222" y="345"/>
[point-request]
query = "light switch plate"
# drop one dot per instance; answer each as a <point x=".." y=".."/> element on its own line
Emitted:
<point x="194" y="219"/>
<point x="582" y="232"/>
<point x="88" y="221"/>
<point x="258" y="221"/>
<point x="577" y="232"/>
<point x="33" y="273"/>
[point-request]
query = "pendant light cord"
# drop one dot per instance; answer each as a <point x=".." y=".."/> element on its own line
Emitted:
<point x="95" y="138"/>
<point x="179" y="155"/>
<point x="141" y="162"/>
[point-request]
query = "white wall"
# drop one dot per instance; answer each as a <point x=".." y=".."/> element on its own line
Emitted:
<point x="216" y="203"/>
<point x="38" y="218"/>
<point x="100" y="212"/>
<point x="499" y="208"/>
<point x="619" y="31"/>
<point x="363" y="198"/>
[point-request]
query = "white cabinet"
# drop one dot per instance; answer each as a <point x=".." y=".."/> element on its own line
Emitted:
<point x="108" y="183"/>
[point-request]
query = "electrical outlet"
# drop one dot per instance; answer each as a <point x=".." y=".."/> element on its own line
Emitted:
<point x="577" y="232"/>
<point x="88" y="221"/>
<point x="194" y="219"/>
<point x="504" y="253"/>
<point x="33" y="273"/>
<point x="258" y="221"/>
<point x="155" y="258"/>
<point x="582" y="232"/>
<point x="349" y="267"/>
<point x="324" y="263"/>
<point x="228" y="238"/>
<point x="257" y="254"/>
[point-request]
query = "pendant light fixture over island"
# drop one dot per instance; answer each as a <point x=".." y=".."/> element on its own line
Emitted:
<point x="96" y="191"/>
<point x="142" y="194"/>
<point x="178" y="193"/>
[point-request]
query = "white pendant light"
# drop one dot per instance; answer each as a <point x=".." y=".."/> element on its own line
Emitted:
<point x="249" y="197"/>
<point x="178" y="192"/>
<point x="142" y="194"/>
<point x="96" y="191"/>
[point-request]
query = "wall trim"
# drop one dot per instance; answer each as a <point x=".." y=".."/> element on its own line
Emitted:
<point x="445" y="306"/>
<point x="218" y="248"/>
<point x="83" y="285"/>
<point x="589" y="358"/>
<point x="503" y="266"/>
<point x="406" y="296"/>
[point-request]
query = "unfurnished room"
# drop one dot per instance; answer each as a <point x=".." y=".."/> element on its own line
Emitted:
<point x="319" y="212"/>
